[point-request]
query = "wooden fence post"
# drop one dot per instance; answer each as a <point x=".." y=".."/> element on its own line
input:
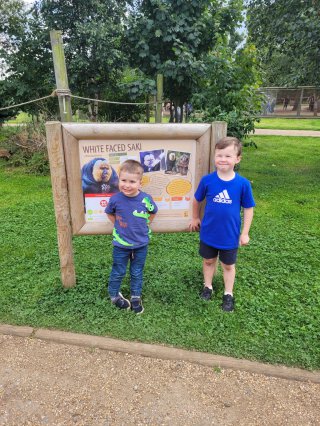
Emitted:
<point x="61" y="203"/>
<point x="60" y="71"/>
<point x="218" y="131"/>
<point x="158" y="118"/>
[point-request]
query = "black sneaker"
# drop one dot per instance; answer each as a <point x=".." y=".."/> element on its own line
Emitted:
<point x="136" y="305"/>
<point x="227" y="303"/>
<point x="206" y="293"/>
<point x="121" y="302"/>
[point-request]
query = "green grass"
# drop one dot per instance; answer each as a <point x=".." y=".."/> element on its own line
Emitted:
<point x="277" y="286"/>
<point x="289" y="123"/>
<point x="22" y="117"/>
<point x="165" y="119"/>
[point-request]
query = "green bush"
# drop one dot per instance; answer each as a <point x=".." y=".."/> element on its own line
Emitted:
<point x="229" y="92"/>
<point x="27" y="148"/>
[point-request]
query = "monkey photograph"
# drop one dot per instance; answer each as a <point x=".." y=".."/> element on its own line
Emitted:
<point x="171" y="162"/>
<point x="182" y="164"/>
<point x="177" y="163"/>
<point x="153" y="161"/>
<point x="98" y="176"/>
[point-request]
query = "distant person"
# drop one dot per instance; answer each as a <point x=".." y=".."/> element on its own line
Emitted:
<point x="131" y="211"/>
<point x="311" y="103"/>
<point x="272" y="105"/>
<point x="179" y="117"/>
<point x="225" y="193"/>
<point x="286" y="102"/>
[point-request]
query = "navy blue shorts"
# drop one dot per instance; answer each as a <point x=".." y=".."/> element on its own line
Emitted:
<point x="228" y="257"/>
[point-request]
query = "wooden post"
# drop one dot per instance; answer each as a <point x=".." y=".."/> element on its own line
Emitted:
<point x="159" y="98"/>
<point x="315" y="105"/>
<point x="148" y="108"/>
<point x="61" y="202"/>
<point x="60" y="71"/>
<point x="218" y="131"/>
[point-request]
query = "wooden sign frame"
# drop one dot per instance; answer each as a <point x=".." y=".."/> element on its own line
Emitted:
<point x="63" y="141"/>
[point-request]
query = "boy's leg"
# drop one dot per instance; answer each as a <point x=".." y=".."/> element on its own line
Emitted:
<point x="118" y="271"/>
<point x="210" y="256"/>
<point x="229" y="274"/>
<point x="137" y="262"/>
<point x="209" y="268"/>
<point x="228" y="263"/>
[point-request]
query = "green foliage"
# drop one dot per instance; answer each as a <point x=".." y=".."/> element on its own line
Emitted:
<point x="229" y="92"/>
<point x="137" y="84"/>
<point x="286" y="33"/>
<point x="171" y="38"/>
<point x="27" y="61"/>
<point x="277" y="285"/>
<point x="27" y="148"/>
<point x="93" y="37"/>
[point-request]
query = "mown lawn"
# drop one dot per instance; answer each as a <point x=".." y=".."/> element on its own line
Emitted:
<point x="277" y="289"/>
<point x="289" y="123"/>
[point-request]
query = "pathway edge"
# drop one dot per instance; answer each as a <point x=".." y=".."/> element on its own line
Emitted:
<point x="162" y="352"/>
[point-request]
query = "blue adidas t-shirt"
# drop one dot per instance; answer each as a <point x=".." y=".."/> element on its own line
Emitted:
<point x="221" y="224"/>
<point x="131" y="229"/>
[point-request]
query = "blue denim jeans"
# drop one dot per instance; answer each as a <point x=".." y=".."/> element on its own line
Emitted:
<point x="121" y="257"/>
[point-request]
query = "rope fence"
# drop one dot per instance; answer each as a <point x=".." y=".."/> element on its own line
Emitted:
<point x="67" y="92"/>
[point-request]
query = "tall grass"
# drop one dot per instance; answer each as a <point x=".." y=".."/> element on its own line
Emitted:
<point x="277" y="286"/>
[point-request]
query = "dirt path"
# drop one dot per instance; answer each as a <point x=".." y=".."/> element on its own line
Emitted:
<point x="45" y="383"/>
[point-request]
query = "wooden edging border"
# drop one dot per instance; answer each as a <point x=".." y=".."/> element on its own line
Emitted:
<point x="162" y="352"/>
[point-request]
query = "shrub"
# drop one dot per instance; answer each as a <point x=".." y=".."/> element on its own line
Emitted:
<point x="27" y="148"/>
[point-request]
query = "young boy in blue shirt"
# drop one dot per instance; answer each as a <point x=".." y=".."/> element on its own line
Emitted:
<point x="131" y="211"/>
<point x="226" y="192"/>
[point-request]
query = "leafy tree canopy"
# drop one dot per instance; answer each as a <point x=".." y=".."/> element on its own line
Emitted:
<point x="287" y="35"/>
<point x="172" y="38"/>
<point x="229" y="90"/>
<point x="93" y="36"/>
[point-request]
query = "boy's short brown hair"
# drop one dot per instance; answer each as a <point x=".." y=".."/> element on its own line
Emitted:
<point x="227" y="141"/>
<point x="131" y="166"/>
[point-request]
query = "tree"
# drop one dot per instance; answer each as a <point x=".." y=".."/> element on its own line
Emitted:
<point x="287" y="35"/>
<point x="93" y="36"/>
<point x="172" y="38"/>
<point x="12" y="14"/>
<point x="229" y="90"/>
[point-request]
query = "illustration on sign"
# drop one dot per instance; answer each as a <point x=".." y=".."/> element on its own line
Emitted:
<point x="167" y="174"/>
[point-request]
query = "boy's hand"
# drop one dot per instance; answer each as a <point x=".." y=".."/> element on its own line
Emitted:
<point x="244" y="239"/>
<point x="195" y="224"/>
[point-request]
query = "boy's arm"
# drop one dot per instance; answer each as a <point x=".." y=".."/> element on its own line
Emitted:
<point x="247" y="220"/>
<point x="195" y="222"/>
<point x="111" y="217"/>
<point x="151" y="217"/>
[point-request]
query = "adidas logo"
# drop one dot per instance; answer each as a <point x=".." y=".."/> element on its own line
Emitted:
<point x="222" y="197"/>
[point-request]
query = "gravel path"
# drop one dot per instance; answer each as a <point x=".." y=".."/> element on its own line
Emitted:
<point x="45" y="383"/>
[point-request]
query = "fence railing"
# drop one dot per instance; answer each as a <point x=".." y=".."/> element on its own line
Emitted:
<point x="300" y="102"/>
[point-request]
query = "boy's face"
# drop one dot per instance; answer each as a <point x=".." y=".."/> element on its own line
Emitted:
<point x="129" y="183"/>
<point x="225" y="159"/>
